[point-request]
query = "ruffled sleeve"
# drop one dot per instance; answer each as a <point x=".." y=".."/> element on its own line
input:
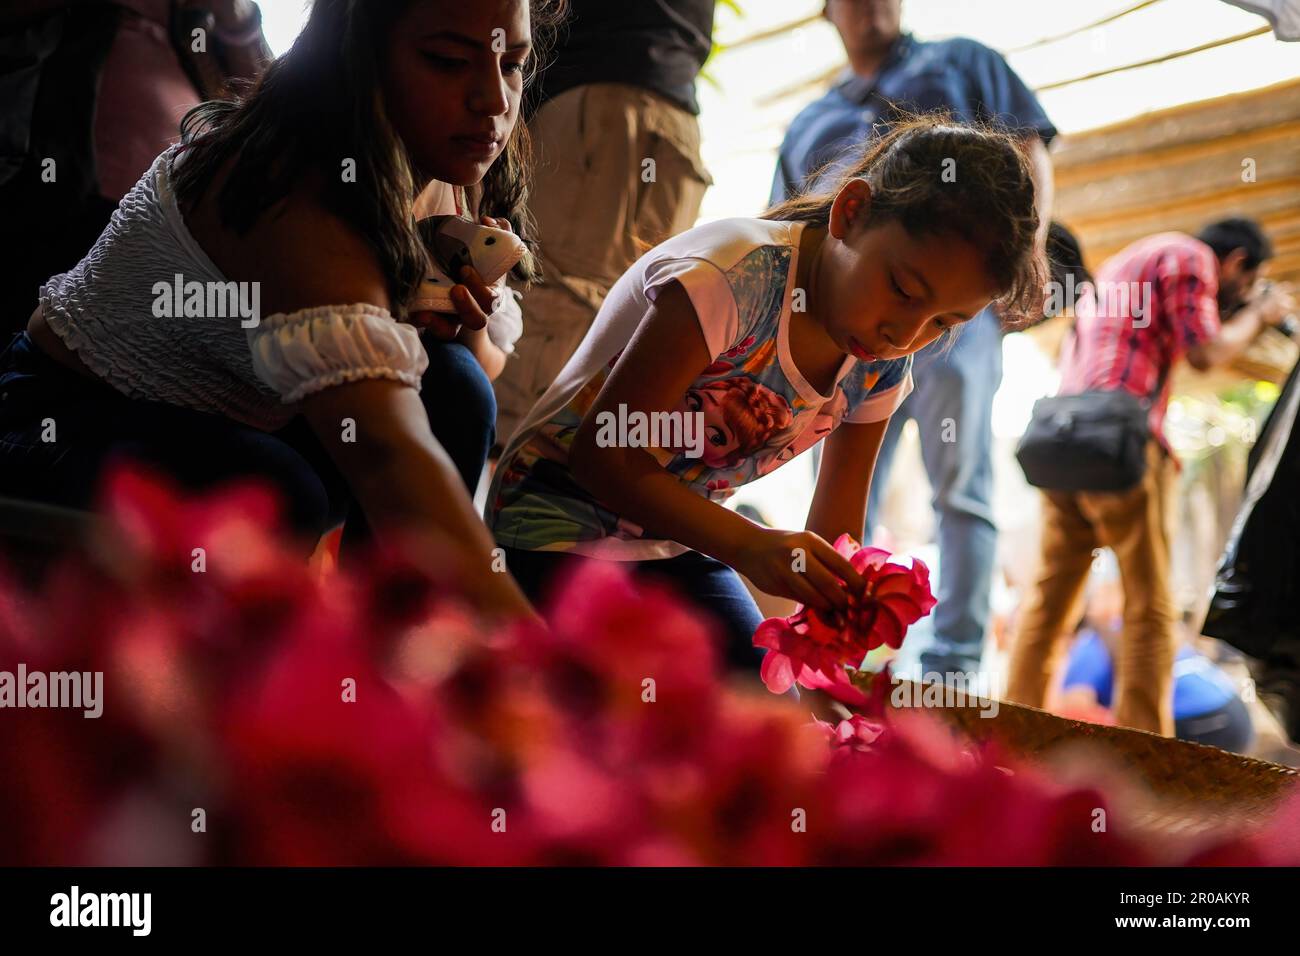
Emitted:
<point x="303" y="352"/>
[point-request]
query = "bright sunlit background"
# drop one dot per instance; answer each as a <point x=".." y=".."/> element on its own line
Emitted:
<point x="775" y="56"/>
<point x="762" y="74"/>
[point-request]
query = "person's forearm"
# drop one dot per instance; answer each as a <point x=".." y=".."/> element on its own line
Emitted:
<point x="409" y="488"/>
<point x="837" y="508"/>
<point x="839" y="504"/>
<point x="632" y="484"/>
<point x="416" y="496"/>
<point x="1234" y="336"/>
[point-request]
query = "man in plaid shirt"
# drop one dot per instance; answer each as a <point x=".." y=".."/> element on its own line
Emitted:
<point x="1157" y="301"/>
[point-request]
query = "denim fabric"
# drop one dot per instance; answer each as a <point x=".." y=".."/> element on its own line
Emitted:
<point x="957" y="75"/>
<point x="94" y="425"/>
<point x="953" y="399"/>
<point x="703" y="581"/>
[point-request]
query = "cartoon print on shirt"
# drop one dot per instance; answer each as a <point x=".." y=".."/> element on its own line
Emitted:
<point x="754" y="414"/>
<point x="740" y="418"/>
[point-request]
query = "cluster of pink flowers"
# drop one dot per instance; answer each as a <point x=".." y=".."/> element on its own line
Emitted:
<point x="811" y="648"/>
<point x="259" y="712"/>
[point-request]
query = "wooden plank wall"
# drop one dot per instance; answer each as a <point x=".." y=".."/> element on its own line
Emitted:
<point x="1181" y="168"/>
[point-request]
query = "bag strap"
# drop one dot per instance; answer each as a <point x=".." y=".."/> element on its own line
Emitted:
<point x="1160" y="379"/>
<point x="1160" y="385"/>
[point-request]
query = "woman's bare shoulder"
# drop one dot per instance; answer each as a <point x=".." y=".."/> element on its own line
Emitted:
<point x="315" y="258"/>
<point x="300" y="253"/>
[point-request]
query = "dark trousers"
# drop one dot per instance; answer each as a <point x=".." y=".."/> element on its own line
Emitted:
<point x="94" y="425"/>
<point x="708" y="584"/>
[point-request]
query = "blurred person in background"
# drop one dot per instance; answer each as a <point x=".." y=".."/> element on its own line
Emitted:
<point x="1131" y="342"/>
<point x="94" y="90"/>
<point x="617" y="170"/>
<point x="1252" y="606"/>
<point x="1208" y="708"/>
<point x="891" y="71"/>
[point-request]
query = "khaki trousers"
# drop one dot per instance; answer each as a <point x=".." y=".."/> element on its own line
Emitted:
<point x="1135" y="525"/>
<point x="617" y="171"/>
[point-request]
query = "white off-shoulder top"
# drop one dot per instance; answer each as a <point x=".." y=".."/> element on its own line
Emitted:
<point x="120" y="311"/>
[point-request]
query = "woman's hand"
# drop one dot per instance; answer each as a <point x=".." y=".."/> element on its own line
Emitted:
<point x="474" y="302"/>
<point x="799" y="565"/>
<point x="473" y="298"/>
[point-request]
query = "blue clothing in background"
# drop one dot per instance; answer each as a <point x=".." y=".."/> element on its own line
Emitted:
<point x="973" y="83"/>
<point x="1207" y="707"/>
<point x="959" y="75"/>
<point x="954" y="385"/>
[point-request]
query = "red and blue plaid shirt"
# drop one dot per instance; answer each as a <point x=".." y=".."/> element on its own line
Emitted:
<point x="1154" y="300"/>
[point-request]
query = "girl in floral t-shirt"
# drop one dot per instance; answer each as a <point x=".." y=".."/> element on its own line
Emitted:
<point x="734" y="347"/>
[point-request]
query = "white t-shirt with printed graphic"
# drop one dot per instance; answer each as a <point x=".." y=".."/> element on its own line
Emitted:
<point x="758" y="410"/>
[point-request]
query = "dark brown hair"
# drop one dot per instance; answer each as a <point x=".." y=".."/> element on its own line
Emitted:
<point x="321" y="102"/>
<point x="935" y="176"/>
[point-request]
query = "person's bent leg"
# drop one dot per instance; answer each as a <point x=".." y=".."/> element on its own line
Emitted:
<point x="1052" y="606"/>
<point x="1135" y="525"/>
<point x="596" y="213"/>
<point x="540" y="573"/>
<point x="462" y="407"/>
<point x="719" y="593"/>
<point x="954" y="411"/>
<point x="60" y="433"/>
<point x="201" y="452"/>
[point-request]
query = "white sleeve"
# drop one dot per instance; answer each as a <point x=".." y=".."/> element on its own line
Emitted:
<point x="709" y="292"/>
<point x="506" y="324"/>
<point x="313" y="349"/>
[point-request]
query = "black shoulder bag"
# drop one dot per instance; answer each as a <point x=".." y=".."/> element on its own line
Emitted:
<point x="1094" y="441"/>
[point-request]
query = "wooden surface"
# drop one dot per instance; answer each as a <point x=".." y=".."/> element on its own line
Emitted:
<point x="1175" y="786"/>
<point x="1182" y="168"/>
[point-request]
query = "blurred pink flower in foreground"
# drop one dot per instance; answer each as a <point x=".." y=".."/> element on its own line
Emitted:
<point x="367" y="718"/>
<point x="856" y="734"/>
<point x="811" y="648"/>
<point x="850" y="739"/>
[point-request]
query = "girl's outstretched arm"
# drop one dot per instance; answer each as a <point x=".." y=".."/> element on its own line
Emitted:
<point x="665" y="356"/>
<point x="409" y="489"/>
<point x="848" y="461"/>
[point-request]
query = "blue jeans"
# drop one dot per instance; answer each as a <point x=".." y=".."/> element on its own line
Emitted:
<point x="952" y="405"/>
<point x="707" y="583"/>
<point x="96" y="425"/>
